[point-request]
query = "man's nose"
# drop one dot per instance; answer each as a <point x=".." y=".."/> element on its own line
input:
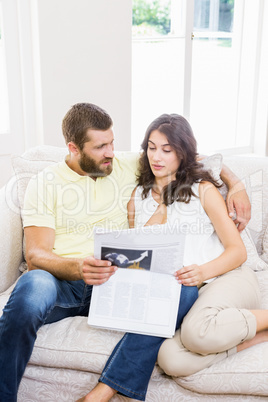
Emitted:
<point x="109" y="152"/>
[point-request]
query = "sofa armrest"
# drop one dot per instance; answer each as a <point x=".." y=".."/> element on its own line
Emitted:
<point x="11" y="235"/>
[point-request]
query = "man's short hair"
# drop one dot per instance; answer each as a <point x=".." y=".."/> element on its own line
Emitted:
<point x="82" y="117"/>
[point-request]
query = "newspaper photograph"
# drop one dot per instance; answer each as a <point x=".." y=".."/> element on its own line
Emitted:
<point x="143" y="295"/>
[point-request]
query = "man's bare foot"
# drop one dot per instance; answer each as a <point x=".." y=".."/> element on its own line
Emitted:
<point x="258" y="338"/>
<point x="101" y="393"/>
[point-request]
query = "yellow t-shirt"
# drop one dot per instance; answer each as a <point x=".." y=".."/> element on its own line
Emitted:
<point x="74" y="205"/>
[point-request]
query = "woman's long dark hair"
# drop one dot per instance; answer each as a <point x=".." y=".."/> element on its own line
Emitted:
<point x="180" y="137"/>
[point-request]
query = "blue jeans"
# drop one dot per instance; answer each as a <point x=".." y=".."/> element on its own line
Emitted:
<point x="39" y="298"/>
<point x="129" y="368"/>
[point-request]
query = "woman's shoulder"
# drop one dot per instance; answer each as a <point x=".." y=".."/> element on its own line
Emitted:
<point x="209" y="194"/>
<point x="137" y="191"/>
<point x="204" y="186"/>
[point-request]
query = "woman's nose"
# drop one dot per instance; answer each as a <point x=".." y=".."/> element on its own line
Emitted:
<point x="156" y="156"/>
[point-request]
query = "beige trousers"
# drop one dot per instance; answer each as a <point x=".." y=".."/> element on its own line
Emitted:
<point x="218" y="321"/>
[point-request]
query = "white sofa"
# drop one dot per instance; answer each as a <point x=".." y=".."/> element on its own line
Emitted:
<point x="69" y="355"/>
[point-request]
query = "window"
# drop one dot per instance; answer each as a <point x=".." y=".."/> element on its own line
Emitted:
<point x="4" y="110"/>
<point x="11" y="119"/>
<point x="158" y="62"/>
<point x="200" y="61"/>
<point x="215" y="79"/>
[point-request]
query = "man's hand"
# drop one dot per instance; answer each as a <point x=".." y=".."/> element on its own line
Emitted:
<point x="96" y="272"/>
<point x="238" y="205"/>
<point x="237" y="200"/>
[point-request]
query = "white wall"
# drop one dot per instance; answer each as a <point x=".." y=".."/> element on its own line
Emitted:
<point x="69" y="51"/>
<point x="6" y="170"/>
<point x="261" y="106"/>
<point x="85" y="56"/>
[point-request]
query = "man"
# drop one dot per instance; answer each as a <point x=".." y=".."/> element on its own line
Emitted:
<point x="62" y="206"/>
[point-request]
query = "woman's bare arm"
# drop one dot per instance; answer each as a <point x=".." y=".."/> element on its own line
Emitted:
<point x="234" y="250"/>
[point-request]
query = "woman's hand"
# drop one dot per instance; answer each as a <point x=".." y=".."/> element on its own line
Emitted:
<point x="190" y="275"/>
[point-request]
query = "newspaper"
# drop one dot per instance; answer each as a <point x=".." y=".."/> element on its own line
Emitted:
<point x="143" y="295"/>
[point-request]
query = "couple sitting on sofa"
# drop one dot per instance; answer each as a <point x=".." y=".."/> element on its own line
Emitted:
<point x="172" y="186"/>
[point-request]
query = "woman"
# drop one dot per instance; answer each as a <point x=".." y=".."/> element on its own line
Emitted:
<point x="128" y="369"/>
<point x="174" y="190"/>
<point x="172" y="186"/>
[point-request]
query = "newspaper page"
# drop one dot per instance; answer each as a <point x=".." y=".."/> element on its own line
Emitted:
<point x="143" y="295"/>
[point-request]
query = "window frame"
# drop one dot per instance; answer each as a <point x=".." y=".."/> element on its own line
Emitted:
<point x="252" y="85"/>
<point x="14" y="137"/>
<point x="21" y="72"/>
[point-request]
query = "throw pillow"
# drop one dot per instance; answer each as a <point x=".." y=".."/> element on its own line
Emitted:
<point x="213" y="164"/>
<point x="32" y="162"/>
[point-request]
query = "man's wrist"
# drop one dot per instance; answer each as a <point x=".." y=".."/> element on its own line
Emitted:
<point x="235" y="187"/>
<point x="79" y="268"/>
<point x="229" y="178"/>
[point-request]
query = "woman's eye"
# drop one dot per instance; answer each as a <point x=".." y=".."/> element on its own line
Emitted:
<point x="166" y="150"/>
<point x="151" y="149"/>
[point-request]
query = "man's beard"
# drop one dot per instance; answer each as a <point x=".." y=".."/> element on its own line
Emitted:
<point x="89" y="166"/>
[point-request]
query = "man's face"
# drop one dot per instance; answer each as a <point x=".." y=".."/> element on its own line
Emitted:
<point x="96" y="157"/>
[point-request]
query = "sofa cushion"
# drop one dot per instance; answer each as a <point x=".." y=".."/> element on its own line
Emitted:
<point x="243" y="373"/>
<point x="88" y="349"/>
<point x="253" y="259"/>
<point x="264" y="255"/>
<point x="72" y="344"/>
<point x="11" y="239"/>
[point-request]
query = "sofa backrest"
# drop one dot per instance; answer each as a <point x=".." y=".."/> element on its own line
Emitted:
<point x="253" y="171"/>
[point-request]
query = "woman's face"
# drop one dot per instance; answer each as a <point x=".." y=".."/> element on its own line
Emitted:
<point x="162" y="158"/>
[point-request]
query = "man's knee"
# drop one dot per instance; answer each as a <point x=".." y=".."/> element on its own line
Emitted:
<point x="34" y="294"/>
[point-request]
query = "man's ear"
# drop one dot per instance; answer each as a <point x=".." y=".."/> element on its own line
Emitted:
<point x="73" y="148"/>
